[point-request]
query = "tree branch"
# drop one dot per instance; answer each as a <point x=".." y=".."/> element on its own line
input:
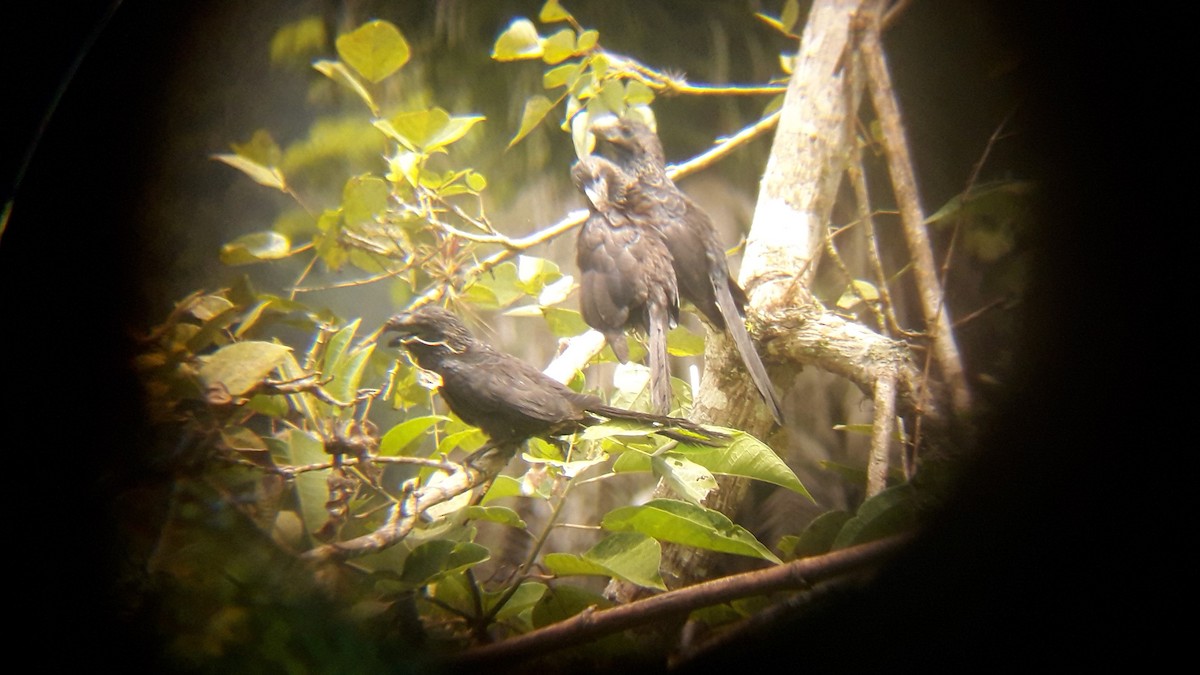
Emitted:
<point x="904" y="185"/>
<point x="591" y="624"/>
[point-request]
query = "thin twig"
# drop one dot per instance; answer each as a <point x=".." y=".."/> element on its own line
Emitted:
<point x="900" y="167"/>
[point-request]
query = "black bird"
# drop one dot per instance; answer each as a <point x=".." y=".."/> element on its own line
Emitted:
<point x="510" y="400"/>
<point x="626" y="279"/>
<point x="701" y="271"/>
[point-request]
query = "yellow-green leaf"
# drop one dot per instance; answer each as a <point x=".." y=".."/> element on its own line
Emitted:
<point x="242" y="365"/>
<point x="536" y="108"/>
<point x="553" y="12"/>
<point x="687" y="524"/>
<point x="519" y="41"/>
<point x="375" y="49"/>
<point x="338" y="72"/>
<point x="263" y="175"/>
<point x="587" y="40"/>
<point x="558" y="47"/>
<point x="400" y="437"/>
<point x="255" y="247"/>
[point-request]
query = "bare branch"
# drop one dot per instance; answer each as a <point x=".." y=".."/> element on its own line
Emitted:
<point x="912" y="217"/>
<point x="592" y="624"/>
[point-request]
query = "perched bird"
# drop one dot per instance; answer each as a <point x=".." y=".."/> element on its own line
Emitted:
<point x="701" y="271"/>
<point x="510" y="400"/>
<point x="625" y="275"/>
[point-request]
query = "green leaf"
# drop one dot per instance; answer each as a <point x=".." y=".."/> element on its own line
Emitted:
<point x="528" y="594"/>
<point x="683" y="342"/>
<point x="347" y="374"/>
<point x="467" y="440"/>
<point x="503" y="486"/>
<point x="687" y="524"/>
<point x="398" y="438"/>
<point x="820" y="534"/>
<point x="300" y="448"/>
<point x="629" y="556"/>
<point x="561" y="76"/>
<point x="427" y="130"/>
<point x="375" y="49"/>
<point x="263" y="175"/>
<point x="340" y="73"/>
<point x="519" y="41"/>
<point x="617" y="429"/>
<point x="535" y="111"/>
<point x="587" y="40"/>
<point x="497" y="288"/>
<point x="558" y="47"/>
<point x="496" y="514"/>
<point x="638" y="93"/>
<point x="552" y="12"/>
<point x="563" y="602"/>
<point x="565" y="322"/>
<point x="790" y="16"/>
<point x="260" y="149"/>
<point x="337" y="344"/>
<point x="892" y="511"/>
<point x="256" y="247"/>
<point x="745" y="455"/>
<point x="687" y="479"/>
<point x="435" y="559"/>
<point x="363" y="198"/>
<point x="242" y="365"/>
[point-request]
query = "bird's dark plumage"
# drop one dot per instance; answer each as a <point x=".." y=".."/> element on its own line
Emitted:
<point x="701" y="271"/>
<point x="626" y="275"/>
<point x="506" y="397"/>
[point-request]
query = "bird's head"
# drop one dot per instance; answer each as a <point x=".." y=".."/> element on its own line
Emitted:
<point x="601" y="181"/>
<point x="428" y="333"/>
<point x="632" y="139"/>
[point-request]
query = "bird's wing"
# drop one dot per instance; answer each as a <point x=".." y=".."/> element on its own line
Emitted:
<point x="504" y="395"/>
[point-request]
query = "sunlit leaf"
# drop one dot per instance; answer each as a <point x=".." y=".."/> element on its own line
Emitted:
<point x="263" y="175"/>
<point x="503" y="486"/>
<point x="638" y="93"/>
<point x="340" y="73"/>
<point x="790" y="16"/>
<point x="745" y="455"/>
<point x="687" y="524"/>
<point x="552" y="12"/>
<point x="629" y="556"/>
<point x="375" y="49"/>
<point x="260" y="149"/>
<point x="561" y="76"/>
<point x="558" y="47"/>
<point x="363" y="198"/>
<point x="587" y="40"/>
<point x="427" y="130"/>
<point x="535" y="111"/>
<point x="519" y="41"/>
<point x="686" y="478"/>
<point x="242" y="365"/>
<point x="683" y="342"/>
<point x="398" y="438"/>
<point x="255" y="247"/>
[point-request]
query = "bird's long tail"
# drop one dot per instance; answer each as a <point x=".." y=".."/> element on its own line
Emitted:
<point x="736" y="327"/>
<point x="676" y="428"/>
<point x="660" y="371"/>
